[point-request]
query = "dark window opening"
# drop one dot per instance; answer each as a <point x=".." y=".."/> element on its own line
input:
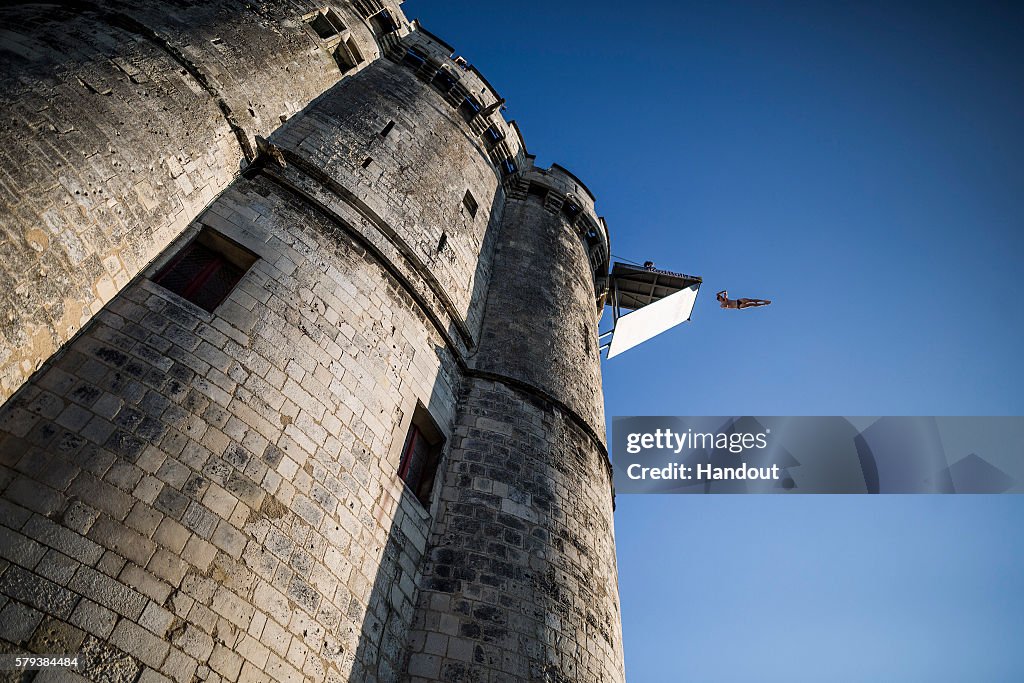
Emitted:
<point x="382" y="22"/>
<point x="354" y="50"/>
<point x="469" y="201"/>
<point x="348" y="55"/>
<point x="493" y="136"/>
<point x="206" y="270"/>
<point x="420" y="456"/>
<point x="442" y="243"/>
<point x="327" y="24"/>
<point x="344" y="58"/>
<point x="323" y="27"/>
<point x="367" y="161"/>
<point x="387" y="129"/>
<point x="508" y="167"/>
<point x="571" y="210"/>
<point x="469" y="108"/>
<point x="443" y="81"/>
<point x="538" y="191"/>
<point x="414" y="59"/>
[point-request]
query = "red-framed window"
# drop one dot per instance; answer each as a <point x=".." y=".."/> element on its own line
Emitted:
<point x="420" y="455"/>
<point x="206" y="270"/>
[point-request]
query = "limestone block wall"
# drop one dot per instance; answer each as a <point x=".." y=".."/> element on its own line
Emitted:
<point x="197" y="493"/>
<point x="120" y="122"/>
<point x="541" y="326"/>
<point x="520" y="582"/>
<point x="406" y="157"/>
<point x="214" y="495"/>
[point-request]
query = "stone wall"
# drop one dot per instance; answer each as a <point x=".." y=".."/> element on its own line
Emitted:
<point x="121" y="121"/>
<point x="520" y="582"/>
<point x="215" y="495"/>
<point x="186" y="490"/>
<point x="411" y="180"/>
<point x="541" y="324"/>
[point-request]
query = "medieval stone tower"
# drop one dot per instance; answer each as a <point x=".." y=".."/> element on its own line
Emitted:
<point x="298" y="356"/>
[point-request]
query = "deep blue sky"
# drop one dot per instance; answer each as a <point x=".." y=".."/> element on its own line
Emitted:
<point x="862" y="164"/>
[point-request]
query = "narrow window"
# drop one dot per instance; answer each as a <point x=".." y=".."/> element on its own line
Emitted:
<point x="493" y="136"/>
<point x="420" y="455"/>
<point x="443" y="80"/>
<point x="442" y="243"/>
<point x="469" y="201"/>
<point x="335" y="20"/>
<point x="206" y="270"/>
<point x="367" y="161"/>
<point x="387" y="129"/>
<point x="323" y="26"/>
<point x="538" y="191"/>
<point x="346" y="62"/>
<point x="382" y="23"/>
<point x="414" y="59"/>
<point x="508" y="167"/>
<point x="469" y="108"/>
<point x="571" y="210"/>
<point x="348" y="55"/>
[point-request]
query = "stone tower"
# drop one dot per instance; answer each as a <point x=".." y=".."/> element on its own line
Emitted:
<point x="299" y="354"/>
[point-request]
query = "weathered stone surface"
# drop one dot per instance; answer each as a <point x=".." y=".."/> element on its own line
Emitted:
<point x="122" y="120"/>
<point x="519" y="581"/>
<point x="541" y="325"/>
<point x="187" y="494"/>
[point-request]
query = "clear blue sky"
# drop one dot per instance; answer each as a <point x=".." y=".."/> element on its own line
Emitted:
<point x="862" y="164"/>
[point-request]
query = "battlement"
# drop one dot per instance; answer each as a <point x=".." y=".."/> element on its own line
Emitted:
<point x="465" y="89"/>
<point x="462" y="86"/>
<point x="563" y="193"/>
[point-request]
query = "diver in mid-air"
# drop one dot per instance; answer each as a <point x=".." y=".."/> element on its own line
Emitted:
<point x="725" y="302"/>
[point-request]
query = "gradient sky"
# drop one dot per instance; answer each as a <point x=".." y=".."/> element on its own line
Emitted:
<point x="862" y="164"/>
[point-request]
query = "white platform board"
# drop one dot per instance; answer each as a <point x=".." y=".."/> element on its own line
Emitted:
<point x="651" y="320"/>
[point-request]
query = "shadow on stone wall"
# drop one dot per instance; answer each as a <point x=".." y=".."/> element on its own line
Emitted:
<point x="139" y="524"/>
<point x="381" y="652"/>
<point x="384" y="649"/>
